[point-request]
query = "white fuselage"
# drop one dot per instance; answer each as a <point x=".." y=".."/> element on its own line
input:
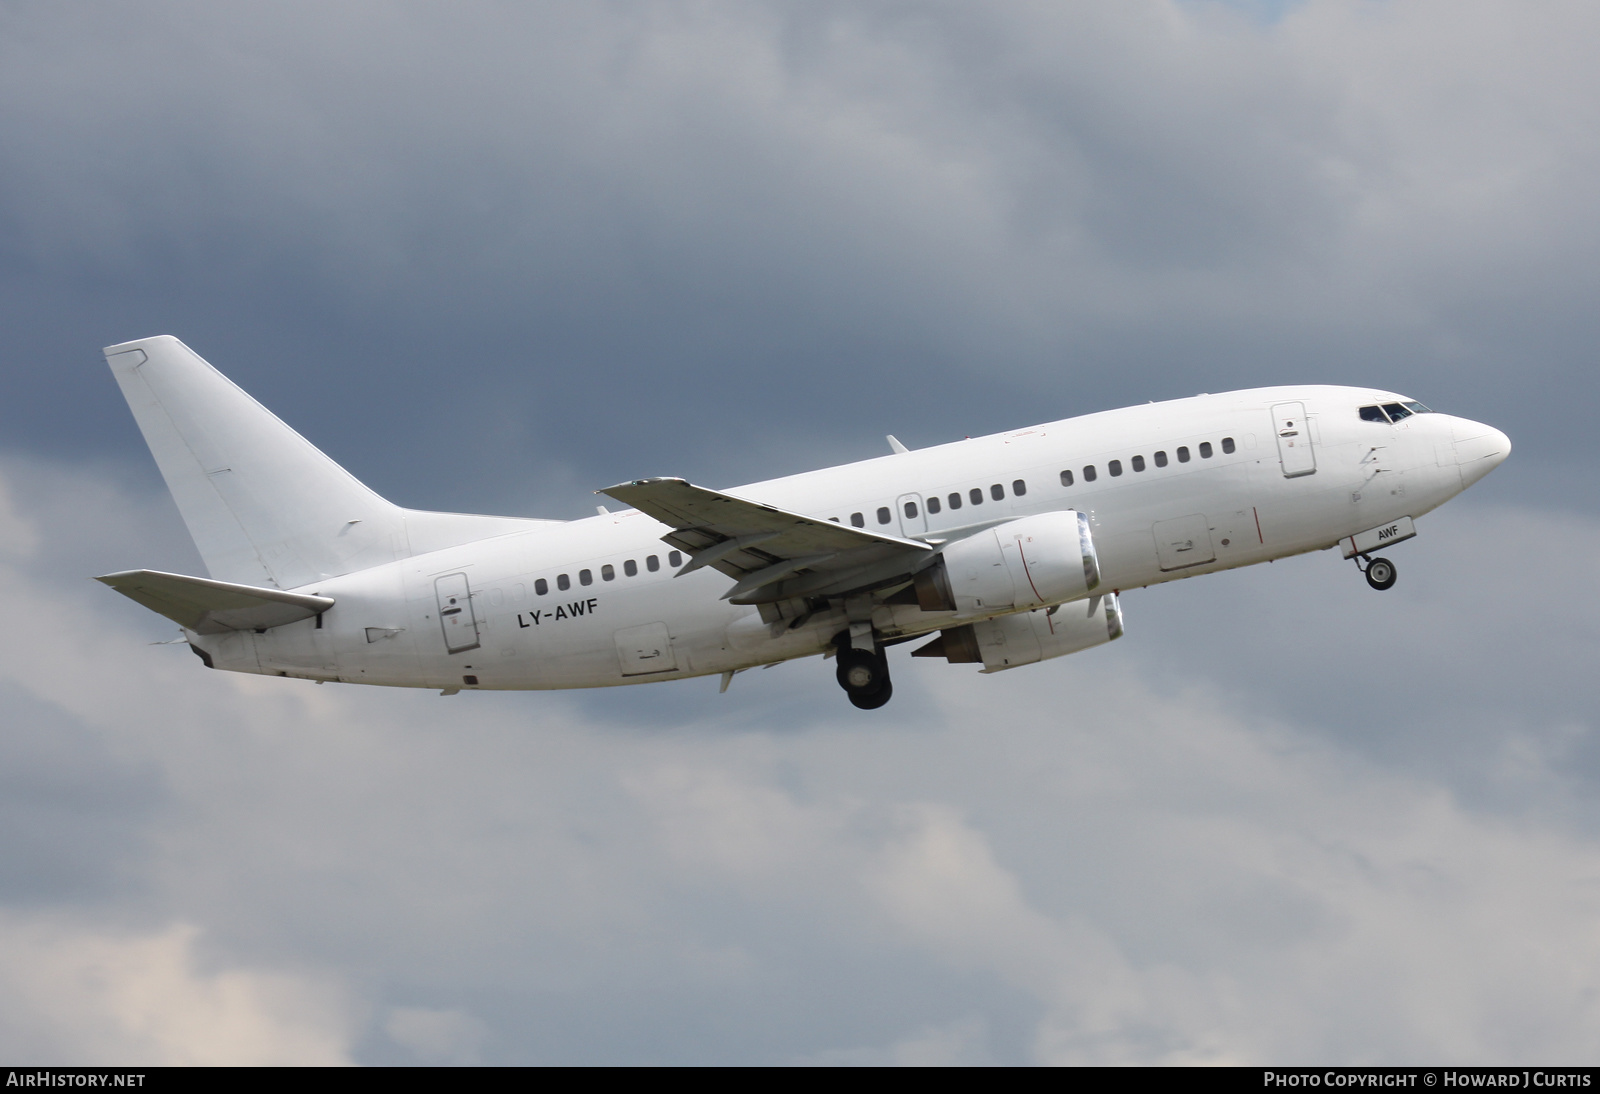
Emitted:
<point x="1252" y="499"/>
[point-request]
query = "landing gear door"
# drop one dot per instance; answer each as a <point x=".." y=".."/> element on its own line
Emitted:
<point x="913" y="521"/>
<point x="456" y="617"/>
<point x="1294" y="440"/>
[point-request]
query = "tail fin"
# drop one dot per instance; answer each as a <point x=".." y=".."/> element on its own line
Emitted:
<point x="264" y="506"/>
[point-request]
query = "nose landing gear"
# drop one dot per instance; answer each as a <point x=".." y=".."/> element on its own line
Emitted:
<point x="864" y="675"/>
<point x="1380" y="572"/>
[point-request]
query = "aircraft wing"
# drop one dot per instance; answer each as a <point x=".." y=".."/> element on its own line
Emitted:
<point x="772" y="554"/>
<point x="212" y="607"/>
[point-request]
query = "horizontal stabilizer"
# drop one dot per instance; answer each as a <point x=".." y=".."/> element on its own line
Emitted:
<point x="212" y="607"/>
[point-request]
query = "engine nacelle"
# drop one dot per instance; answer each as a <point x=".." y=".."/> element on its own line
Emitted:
<point x="1028" y="563"/>
<point x="1027" y="637"/>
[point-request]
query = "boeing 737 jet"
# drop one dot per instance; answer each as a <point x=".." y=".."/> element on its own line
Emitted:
<point x="994" y="551"/>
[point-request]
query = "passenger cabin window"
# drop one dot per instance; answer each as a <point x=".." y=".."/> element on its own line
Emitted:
<point x="542" y="587"/>
<point x="1018" y="487"/>
<point x="884" y="516"/>
<point x="1227" y="445"/>
<point x="1205" y="450"/>
<point x="1183" y="453"/>
<point x="997" y="492"/>
<point x="608" y="572"/>
<point x="857" y="520"/>
<point x="1138" y="463"/>
<point x="834" y="519"/>
<point x="1374" y="414"/>
<point x="563" y="582"/>
<point x="933" y="504"/>
<point x="1396" y="411"/>
<point x="954" y="500"/>
<point x="631" y="568"/>
<point x="1161" y="459"/>
<point x="1066" y="478"/>
<point x="585" y="577"/>
<point x="975" y="496"/>
<point x="1115" y="467"/>
<point x="1088" y="473"/>
<point x="652" y="563"/>
<point x="674" y="559"/>
<point x="911" y="509"/>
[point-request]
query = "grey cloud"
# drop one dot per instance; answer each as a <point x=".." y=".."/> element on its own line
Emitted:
<point x="1109" y="858"/>
<point x="492" y="230"/>
<point x="496" y="258"/>
<point x="73" y="810"/>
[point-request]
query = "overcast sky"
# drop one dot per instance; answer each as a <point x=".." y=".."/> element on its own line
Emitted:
<point x="492" y="257"/>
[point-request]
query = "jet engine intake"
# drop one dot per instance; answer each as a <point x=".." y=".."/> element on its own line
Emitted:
<point x="1028" y="563"/>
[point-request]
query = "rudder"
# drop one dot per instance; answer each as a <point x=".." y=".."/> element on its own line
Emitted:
<point x="264" y="505"/>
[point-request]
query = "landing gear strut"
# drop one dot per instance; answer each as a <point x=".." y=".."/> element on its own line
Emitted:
<point x="1380" y="571"/>
<point x="864" y="675"/>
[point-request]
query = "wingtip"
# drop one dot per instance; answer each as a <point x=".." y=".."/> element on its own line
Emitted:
<point x="652" y="481"/>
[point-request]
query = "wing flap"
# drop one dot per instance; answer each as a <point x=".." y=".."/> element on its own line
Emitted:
<point x="212" y="607"/>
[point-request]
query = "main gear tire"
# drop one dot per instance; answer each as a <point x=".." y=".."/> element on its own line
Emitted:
<point x="864" y="676"/>
<point x="876" y="699"/>
<point x="861" y="671"/>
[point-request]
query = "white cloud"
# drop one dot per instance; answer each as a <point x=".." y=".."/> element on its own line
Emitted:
<point x="1207" y="889"/>
<point x="77" y="994"/>
<point x="962" y="1043"/>
<point x="437" y="1036"/>
<point x="1073" y="862"/>
<point x="1282" y="820"/>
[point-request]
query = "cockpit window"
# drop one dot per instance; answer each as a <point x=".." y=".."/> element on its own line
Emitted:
<point x="1393" y="411"/>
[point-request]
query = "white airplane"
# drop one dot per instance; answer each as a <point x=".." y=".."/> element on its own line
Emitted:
<point x="1007" y="549"/>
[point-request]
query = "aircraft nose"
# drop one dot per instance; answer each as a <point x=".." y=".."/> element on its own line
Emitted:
<point x="1479" y="449"/>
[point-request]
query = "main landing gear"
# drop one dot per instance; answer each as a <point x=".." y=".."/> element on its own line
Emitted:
<point x="1380" y="572"/>
<point x="864" y="674"/>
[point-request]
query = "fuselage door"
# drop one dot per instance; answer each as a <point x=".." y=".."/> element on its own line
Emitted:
<point x="456" y="617"/>
<point x="646" y="649"/>
<point x="1294" y="440"/>
<point x="913" y="519"/>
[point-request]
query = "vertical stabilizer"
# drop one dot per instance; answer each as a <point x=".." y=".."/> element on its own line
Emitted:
<point x="264" y="506"/>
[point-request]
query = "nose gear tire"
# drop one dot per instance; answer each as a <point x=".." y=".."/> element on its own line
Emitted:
<point x="1381" y="574"/>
